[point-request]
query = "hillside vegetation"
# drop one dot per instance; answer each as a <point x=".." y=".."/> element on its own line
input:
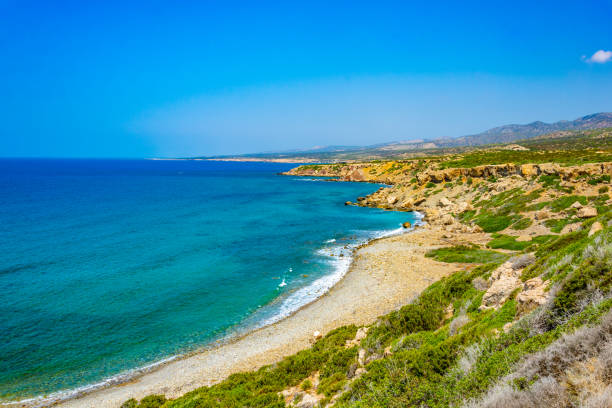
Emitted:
<point x="526" y="322"/>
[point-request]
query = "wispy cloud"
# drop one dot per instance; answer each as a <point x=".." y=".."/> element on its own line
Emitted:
<point x="600" y="57"/>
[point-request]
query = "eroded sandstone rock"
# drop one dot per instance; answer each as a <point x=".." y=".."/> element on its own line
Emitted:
<point x="587" y="212"/>
<point x="571" y="228"/>
<point x="595" y="228"/>
<point x="503" y="281"/>
<point x="533" y="295"/>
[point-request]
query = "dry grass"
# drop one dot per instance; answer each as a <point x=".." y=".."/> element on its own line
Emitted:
<point x="574" y="371"/>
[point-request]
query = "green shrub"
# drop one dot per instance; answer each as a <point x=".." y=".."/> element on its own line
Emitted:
<point x="596" y="180"/>
<point x="131" y="403"/>
<point x="603" y="189"/>
<point x="564" y="202"/>
<point x="465" y="254"/>
<point x="331" y="385"/>
<point x="507" y="242"/>
<point x="152" y="401"/>
<point x="550" y="180"/>
<point x="556" y="225"/>
<point x="493" y="223"/>
<point x="306" y="385"/>
<point x="467" y="216"/>
<point x="522" y="224"/>
<point x="430" y="185"/>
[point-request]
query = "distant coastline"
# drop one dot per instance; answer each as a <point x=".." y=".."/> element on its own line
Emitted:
<point x="246" y="159"/>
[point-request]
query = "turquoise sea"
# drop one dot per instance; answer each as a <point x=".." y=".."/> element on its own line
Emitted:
<point x="108" y="266"/>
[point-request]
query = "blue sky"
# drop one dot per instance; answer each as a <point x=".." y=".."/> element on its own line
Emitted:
<point x="108" y="79"/>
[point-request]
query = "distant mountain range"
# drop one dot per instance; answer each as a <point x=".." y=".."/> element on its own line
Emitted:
<point x="511" y="133"/>
<point x="501" y="134"/>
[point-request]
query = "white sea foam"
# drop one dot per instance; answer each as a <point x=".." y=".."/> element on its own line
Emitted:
<point x="340" y="257"/>
<point x="311" y="179"/>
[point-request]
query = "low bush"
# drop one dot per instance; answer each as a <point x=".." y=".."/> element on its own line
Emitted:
<point x="492" y="223"/>
<point x="564" y="202"/>
<point x="465" y="254"/>
<point x="522" y="224"/>
<point x="507" y="242"/>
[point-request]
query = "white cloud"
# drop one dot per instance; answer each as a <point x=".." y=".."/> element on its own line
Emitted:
<point x="600" y="57"/>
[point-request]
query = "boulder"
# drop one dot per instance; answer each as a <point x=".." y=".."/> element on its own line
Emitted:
<point x="504" y="280"/>
<point x="595" y="228"/>
<point x="549" y="168"/>
<point x="406" y="225"/>
<point x="571" y="228"/>
<point x="431" y="214"/>
<point x="476" y="229"/>
<point x="532" y="295"/>
<point x="444" y="202"/>
<point x="357" y="175"/>
<point x="587" y="212"/>
<point x="542" y="215"/>
<point x="317" y="335"/>
<point x="447" y="219"/>
<point x="392" y="199"/>
<point x="419" y="201"/>
<point x="576" y="205"/>
<point x="360" y="371"/>
<point x="361" y="334"/>
<point x="361" y="357"/>
<point x="463" y="206"/>
<point x="529" y="170"/>
<point x="373" y="357"/>
<point x="308" y="401"/>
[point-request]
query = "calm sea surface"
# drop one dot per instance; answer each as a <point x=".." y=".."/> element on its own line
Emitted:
<point x="107" y="266"/>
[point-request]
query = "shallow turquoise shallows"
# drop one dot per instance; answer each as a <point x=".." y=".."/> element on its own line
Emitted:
<point x="107" y="266"/>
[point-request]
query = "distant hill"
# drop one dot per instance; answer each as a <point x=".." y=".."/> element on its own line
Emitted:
<point x="497" y="135"/>
<point x="510" y="133"/>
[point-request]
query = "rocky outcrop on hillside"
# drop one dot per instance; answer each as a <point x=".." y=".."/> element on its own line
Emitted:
<point x="369" y="172"/>
<point x="442" y="194"/>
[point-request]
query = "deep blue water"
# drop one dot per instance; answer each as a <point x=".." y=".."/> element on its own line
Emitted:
<point x="110" y="265"/>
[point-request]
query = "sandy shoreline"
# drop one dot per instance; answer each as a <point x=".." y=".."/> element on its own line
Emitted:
<point x="384" y="275"/>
